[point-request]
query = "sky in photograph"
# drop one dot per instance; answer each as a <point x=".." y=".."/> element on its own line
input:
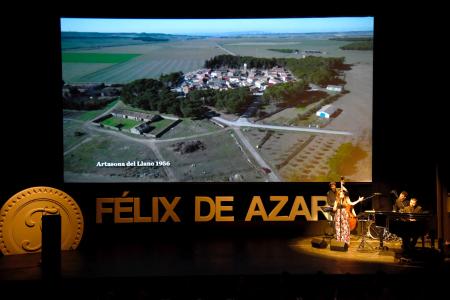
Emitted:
<point x="216" y="26"/>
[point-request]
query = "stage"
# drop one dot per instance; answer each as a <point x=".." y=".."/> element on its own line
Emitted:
<point x="225" y="267"/>
<point x="226" y="256"/>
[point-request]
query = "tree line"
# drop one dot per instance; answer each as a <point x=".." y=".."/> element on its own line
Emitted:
<point x="311" y="69"/>
<point x="231" y="100"/>
<point x="234" y="61"/>
<point x="153" y="94"/>
<point x="315" y="69"/>
<point x="358" y="43"/>
<point x="367" y="45"/>
<point x="284" y="92"/>
<point x="150" y="94"/>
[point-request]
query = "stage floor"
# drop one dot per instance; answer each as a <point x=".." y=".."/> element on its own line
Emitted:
<point x="226" y="256"/>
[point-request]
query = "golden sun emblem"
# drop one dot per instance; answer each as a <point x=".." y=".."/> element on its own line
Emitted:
<point x="20" y="220"/>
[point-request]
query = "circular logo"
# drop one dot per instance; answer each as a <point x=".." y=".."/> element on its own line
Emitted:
<point x="20" y="220"/>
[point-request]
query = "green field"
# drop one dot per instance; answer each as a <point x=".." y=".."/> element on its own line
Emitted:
<point x="131" y="108"/>
<point x="80" y="164"/>
<point x="72" y="44"/>
<point x="189" y="127"/>
<point x="74" y="133"/>
<point x="161" y="124"/>
<point x="276" y="47"/>
<point x="90" y="115"/>
<point x="126" y="123"/>
<point x="73" y="71"/>
<point x="221" y="158"/>
<point x="96" y="58"/>
<point x="152" y="60"/>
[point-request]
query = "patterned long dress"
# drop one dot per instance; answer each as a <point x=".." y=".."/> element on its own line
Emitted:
<point x="342" y="226"/>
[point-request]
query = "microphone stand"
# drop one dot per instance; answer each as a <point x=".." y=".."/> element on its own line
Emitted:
<point x="362" y="246"/>
<point x="381" y="247"/>
<point x="369" y="197"/>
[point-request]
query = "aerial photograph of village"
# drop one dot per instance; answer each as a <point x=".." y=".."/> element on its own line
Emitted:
<point x="217" y="100"/>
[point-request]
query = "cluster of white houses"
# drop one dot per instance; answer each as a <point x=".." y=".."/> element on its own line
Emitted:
<point x="257" y="80"/>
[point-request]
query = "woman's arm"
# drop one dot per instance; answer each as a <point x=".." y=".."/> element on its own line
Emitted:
<point x="356" y="202"/>
<point x="335" y="205"/>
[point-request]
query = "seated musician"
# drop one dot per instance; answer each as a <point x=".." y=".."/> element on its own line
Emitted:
<point x="400" y="202"/>
<point x="409" y="239"/>
<point x="413" y="207"/>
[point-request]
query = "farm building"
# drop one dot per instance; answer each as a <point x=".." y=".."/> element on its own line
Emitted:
<point x="142" y="128"/>
<point x="334" y="88"/>
<point x="138" y="116"/>
<point x="326" y="111"/>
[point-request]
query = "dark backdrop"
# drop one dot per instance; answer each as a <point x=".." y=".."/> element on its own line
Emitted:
<point x="409" y="116"/>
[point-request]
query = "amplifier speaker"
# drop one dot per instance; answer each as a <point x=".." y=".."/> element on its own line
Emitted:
<point x="51" y="244"/>
<point x="338" y="246"/>
<point x="319" y="243"/>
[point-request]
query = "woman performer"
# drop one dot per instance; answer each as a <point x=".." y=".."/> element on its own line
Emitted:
<point x="341" y="218"/>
